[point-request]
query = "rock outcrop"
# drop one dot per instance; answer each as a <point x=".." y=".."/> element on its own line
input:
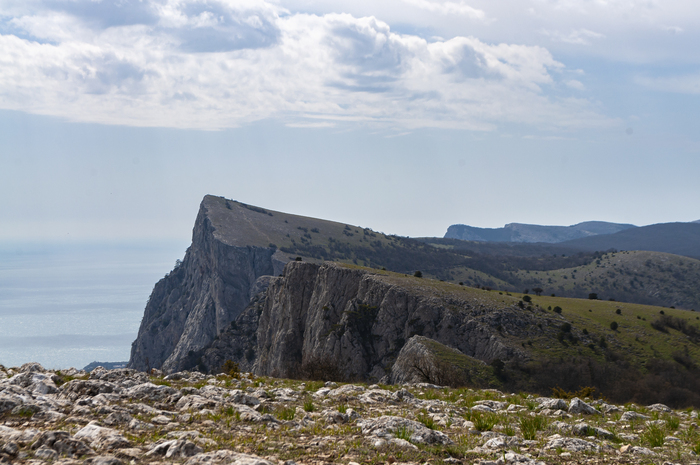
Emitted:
<point x="339" y="322"/>
<point x="423" y="360"/>
<point x="191" y="305"/>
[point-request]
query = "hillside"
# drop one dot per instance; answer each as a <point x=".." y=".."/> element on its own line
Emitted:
<point x="517" y="232"/>
<point x="277" y="309"/>
<point x="483" y="264"/>
<point x="644" y="277"/>
<point x="234" y="244"/>
<point x="676" y="238"/>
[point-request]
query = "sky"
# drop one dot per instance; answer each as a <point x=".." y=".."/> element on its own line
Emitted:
<point x="406" y="116"/>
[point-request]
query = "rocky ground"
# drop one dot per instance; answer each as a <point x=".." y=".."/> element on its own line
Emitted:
<point x="124" y="416"/>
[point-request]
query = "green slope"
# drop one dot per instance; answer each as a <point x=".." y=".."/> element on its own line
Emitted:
<point x="641" y="277"/>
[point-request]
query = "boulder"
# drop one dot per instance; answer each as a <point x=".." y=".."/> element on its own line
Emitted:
<point x="174" y="448"/>
<point x="631" y="416"/>
<point x="552" y="404"/>
<point x="102" y="438"/>
<point x="62" y="444"/>
<point x="577" y="406"/>
<point x="152" y="392"/>
<point x="387" y="426"/>
<point x="571" y="444"/>
<point x="194" y="402"/>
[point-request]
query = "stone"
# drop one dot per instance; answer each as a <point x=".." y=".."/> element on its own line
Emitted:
<point x="102" y="438"/>
<point x="577" y="406"/>
<point x="226" y="457"/>
<point x="571" y="444"/>
<point x="151" y="392"/>
<point x="552" y="404"/>
<point x="387" y="427"/>
<point x="659" y="408"/>
<point x="103" y="460"/>
<point x="174" y="448"/>
<point x="631" y="416"/>
<point x="46" y="454"/>
<point x="194" y="402"/>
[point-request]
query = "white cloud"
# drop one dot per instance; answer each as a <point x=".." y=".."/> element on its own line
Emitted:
<point x="212" y="64"/>
<point x="577" y="37"/>
<point x="448" y="8"/>
<point x="575" y="84"/>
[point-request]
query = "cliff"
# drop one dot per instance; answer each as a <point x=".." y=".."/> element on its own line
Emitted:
<point x="341" y="322"/>
<point x="191" y="305"/>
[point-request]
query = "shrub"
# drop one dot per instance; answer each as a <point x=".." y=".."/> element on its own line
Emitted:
<point x="618" y="311"/>
<point x="593" y="296"/>
<point x="418" y="274"/>
<point x="318" y="369"/>
<point x="613" y="325"/>
<point x="527" y="298"/>
<point x="557" y="309"/>
<point x="231" y="368"/>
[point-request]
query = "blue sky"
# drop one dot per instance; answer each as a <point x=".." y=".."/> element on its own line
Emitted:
<point x="117" y="116"/>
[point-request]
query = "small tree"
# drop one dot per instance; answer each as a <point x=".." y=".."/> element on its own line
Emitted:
<point x="538" y="291"/>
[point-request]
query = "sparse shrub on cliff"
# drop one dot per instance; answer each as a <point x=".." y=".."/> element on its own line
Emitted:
<point x="231" y="368"/>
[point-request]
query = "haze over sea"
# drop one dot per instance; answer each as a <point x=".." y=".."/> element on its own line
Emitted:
<point x="68" y="304"/>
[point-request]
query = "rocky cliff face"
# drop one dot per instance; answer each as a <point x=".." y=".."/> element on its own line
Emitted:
<point x="352" y="323"/>
<point x="191" y="305"/>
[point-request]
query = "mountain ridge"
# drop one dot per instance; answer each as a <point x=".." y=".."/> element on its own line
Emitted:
<point x="520" y="232"/>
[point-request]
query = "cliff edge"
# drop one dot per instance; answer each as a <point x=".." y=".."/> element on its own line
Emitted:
<point x="212" y="285"/>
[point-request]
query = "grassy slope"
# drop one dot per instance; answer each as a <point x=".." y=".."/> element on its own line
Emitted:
<point x="634" y="338"/>
<point x="658" y="278"/>
<point x="646" y="277"/>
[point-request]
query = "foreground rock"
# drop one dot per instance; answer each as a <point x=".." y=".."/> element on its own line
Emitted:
<point x="113" y="417"/>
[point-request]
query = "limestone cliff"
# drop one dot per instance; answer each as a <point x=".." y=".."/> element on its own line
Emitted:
<point x="352" y="323"/>
<point x="191" y="305"/>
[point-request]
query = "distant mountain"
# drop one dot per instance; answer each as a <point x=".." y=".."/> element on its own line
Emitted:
<point x="107" y="365"/>
<point x="518" y="232"/>
<point x="675" y="238"/>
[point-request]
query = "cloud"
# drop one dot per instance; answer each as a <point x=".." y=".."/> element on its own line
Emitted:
<point x="212" y="64"/>
<point x="575" y="84"/>
<point x="576" y="37"/>
<point x="448" y="8"/>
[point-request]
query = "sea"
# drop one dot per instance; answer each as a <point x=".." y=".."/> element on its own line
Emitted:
<point x="69" y="304"/>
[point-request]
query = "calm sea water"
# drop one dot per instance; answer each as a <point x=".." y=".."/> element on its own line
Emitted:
<point x="66" y="305"/>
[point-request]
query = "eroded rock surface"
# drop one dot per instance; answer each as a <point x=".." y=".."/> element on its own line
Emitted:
<point x="112" y="417"/>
